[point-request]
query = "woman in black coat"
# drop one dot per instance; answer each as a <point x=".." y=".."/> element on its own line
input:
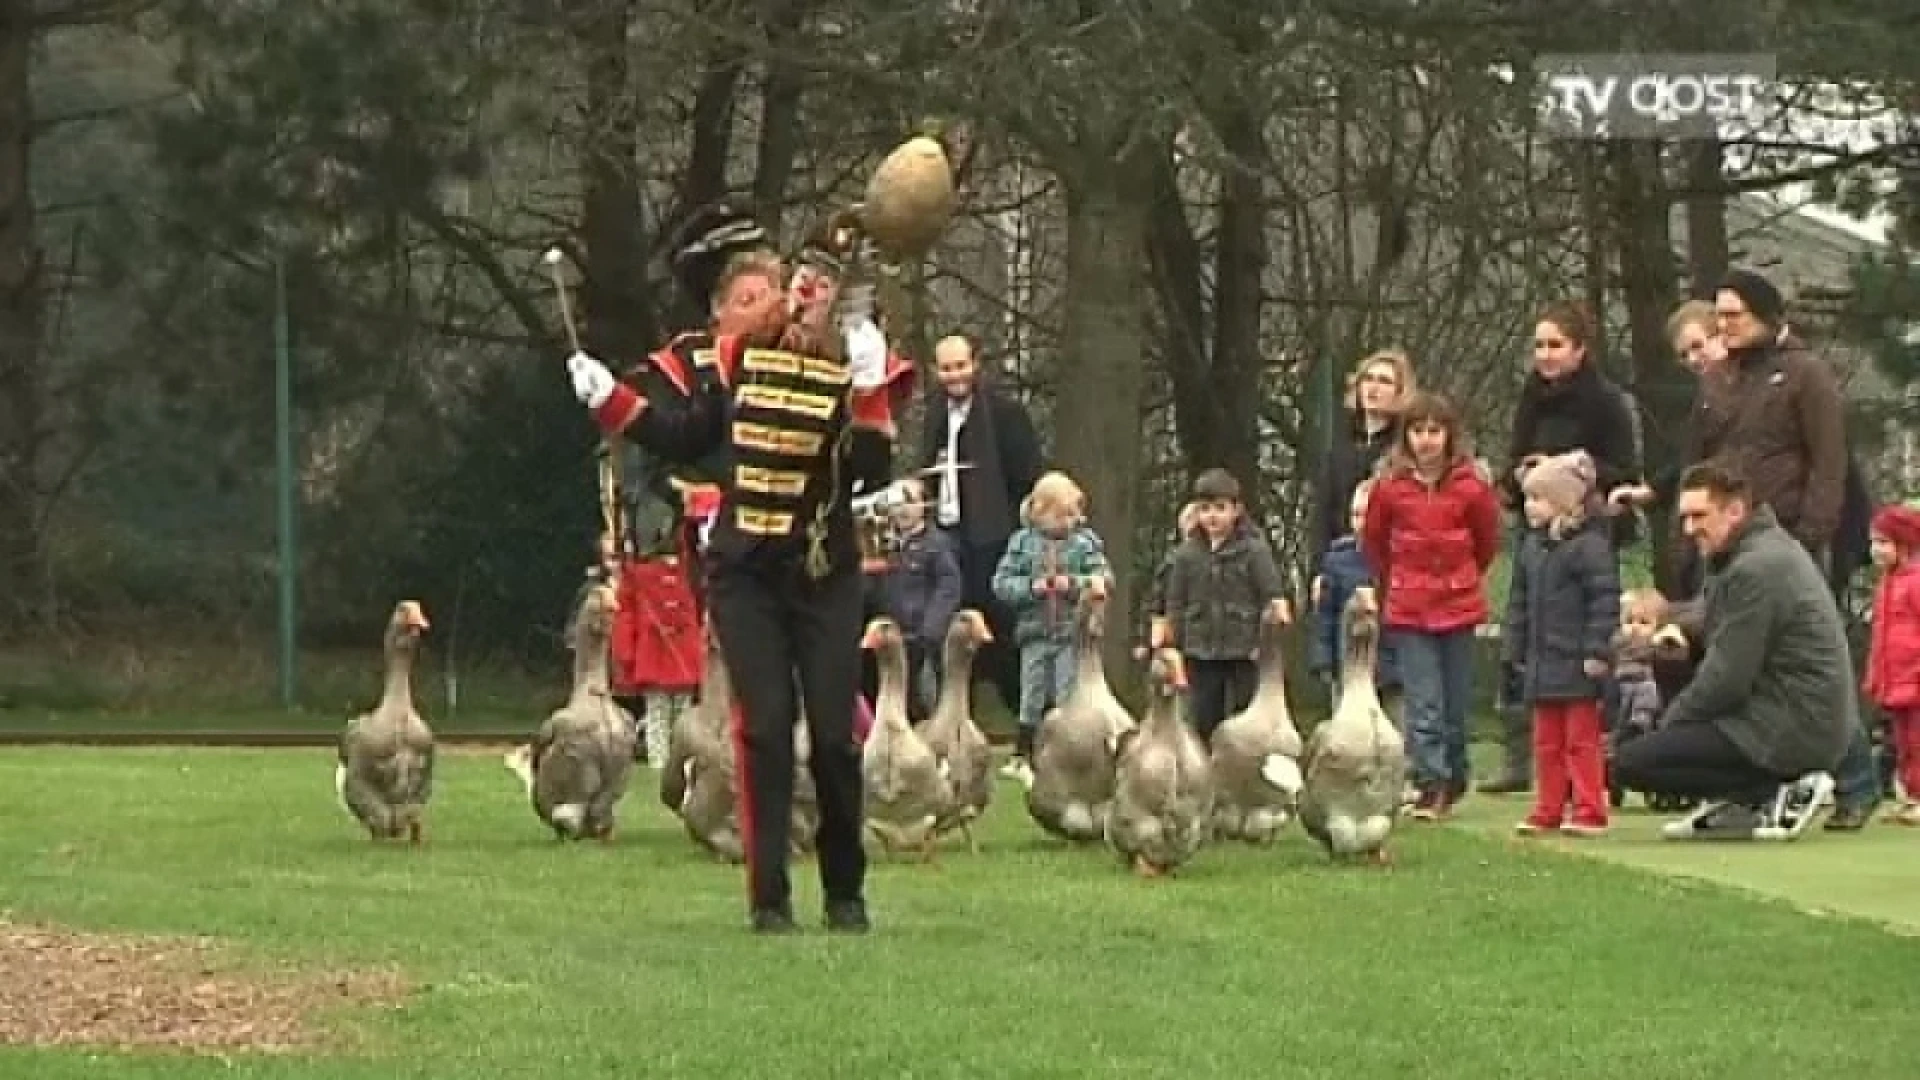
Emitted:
<point x="1374" y="393"/>
<point x="1566" y="404"/>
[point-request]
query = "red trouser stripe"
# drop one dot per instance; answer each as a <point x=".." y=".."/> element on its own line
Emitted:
<point x="743" y="793"/>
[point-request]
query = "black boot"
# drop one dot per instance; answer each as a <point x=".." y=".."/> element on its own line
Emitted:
<point x="774" y="921"/>
<point x="848" y="917"/>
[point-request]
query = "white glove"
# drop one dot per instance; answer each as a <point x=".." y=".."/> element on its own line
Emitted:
<point x="882" y="502"/>
<point x="592" y="382"/>
<point x="866" y="355"/>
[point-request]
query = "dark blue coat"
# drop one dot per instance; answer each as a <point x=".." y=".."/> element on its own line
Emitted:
<point x="1343" y="569"/>
<point x="1563" y="605"/>
<point x="923" y="586"/>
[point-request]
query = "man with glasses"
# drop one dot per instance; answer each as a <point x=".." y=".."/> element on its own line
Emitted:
<point x="1778" y="419"/>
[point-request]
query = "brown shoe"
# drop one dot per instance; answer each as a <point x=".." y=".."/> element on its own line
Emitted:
<point x="1848" y="819"/>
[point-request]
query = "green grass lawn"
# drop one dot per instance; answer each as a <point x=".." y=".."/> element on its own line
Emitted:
<point x="1474" y="956"/>
<point x="1873" y="874"/>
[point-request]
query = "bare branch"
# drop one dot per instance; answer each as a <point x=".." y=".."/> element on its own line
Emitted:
<point x="54" y="16"/>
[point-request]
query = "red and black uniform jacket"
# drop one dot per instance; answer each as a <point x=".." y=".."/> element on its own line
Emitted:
<point x="792" y="439"/>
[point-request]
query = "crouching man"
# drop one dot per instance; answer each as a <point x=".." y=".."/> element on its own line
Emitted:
<point x="1771" y="706"/>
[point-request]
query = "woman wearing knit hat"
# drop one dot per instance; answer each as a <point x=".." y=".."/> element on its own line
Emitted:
<point x="1893" y="658"/>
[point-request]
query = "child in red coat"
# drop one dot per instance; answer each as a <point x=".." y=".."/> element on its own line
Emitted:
<point x="1431" y="531"/>
<point x="1893" y="658"/>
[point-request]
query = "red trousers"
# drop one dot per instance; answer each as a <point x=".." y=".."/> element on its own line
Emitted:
<point x="1903" y="731"/>
<point x="1568" y="758"/>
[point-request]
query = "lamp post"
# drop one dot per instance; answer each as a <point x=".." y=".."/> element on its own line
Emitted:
<point x="284" y="478"/>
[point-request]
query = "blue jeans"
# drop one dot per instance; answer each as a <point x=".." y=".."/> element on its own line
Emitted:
<point x="1856" y="780"/>
<point x="1046" y="675"/>
<point x="1436" y="675"/>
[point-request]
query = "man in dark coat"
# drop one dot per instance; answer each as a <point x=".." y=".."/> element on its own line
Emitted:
<point x="973" y="424"/>
<point x="1771" y="707"/>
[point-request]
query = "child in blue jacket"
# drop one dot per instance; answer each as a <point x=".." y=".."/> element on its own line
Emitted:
<point x="1343" y="568"/>
<point x="1048" y="564"/>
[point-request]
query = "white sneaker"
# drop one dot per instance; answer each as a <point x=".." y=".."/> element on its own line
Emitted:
<point x="1011" y="770"/>
<point x="1795" y="806"/>
<point x="1715" y="821"/>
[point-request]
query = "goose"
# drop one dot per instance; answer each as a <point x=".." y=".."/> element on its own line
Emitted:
<point x="1163" y="786"/>
<point x="384" y="771"/>
<point x="906" y="785"/>
<point x="1070" y="786"/>
<point x="952" y="734"/>
<point x="1355" y="765"/>
<point x="699" y="733"/>
<point x="577" y="768"/>
<point x="699" y="776"/>
<point x="1256" y="753"/>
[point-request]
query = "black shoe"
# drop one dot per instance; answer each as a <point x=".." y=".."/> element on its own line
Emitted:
<point x="774" y="921"/>
<point x="848" y="917"/>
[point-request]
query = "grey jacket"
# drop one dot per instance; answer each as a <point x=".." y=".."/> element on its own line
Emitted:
<point x="1563" y="604"/>
<point x="1215" y="597"/>
<point x="1775" y="676"/>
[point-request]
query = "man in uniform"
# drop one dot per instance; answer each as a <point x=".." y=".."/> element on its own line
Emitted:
<point x="659" y="642"/>
<point x="798" y="431"/>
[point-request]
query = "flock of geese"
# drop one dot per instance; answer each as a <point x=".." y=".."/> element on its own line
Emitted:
<point x="1149" y="788"/>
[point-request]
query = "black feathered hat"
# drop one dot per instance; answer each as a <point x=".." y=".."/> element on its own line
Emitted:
<point x="701" y="246"/>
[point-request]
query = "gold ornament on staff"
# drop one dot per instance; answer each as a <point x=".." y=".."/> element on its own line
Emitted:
<point x="907" y="206"/>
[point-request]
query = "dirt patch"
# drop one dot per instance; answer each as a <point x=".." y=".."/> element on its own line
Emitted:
<point x="63" y="988"/>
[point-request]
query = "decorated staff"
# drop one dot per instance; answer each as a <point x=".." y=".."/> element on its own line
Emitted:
<point x="795" y="408"/>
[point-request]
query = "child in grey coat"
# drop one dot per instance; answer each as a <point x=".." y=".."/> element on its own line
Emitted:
<point x="1222" y="582"/>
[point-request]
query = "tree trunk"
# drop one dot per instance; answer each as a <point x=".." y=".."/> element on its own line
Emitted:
<point x="780" y="132"/>
<point x="1597" y="225"/>
<point x="1649" y="283"/>
<point x="1101" y="379"/>
<point x="1240" y="266"/>
<point x="710" y="140"/>
<point x="23" y="385"/>
<point x="1707" y="248"/>
<point x="620" y="323"/>
<point x="1174" y="256"/>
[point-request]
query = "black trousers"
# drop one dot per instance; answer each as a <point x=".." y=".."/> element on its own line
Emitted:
<point x="1693" y="761"/>
<point x="1217" y="689"/>
<point x="781" y="631"/>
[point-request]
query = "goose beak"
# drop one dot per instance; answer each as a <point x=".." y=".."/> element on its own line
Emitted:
<point x="413" y="617"/>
